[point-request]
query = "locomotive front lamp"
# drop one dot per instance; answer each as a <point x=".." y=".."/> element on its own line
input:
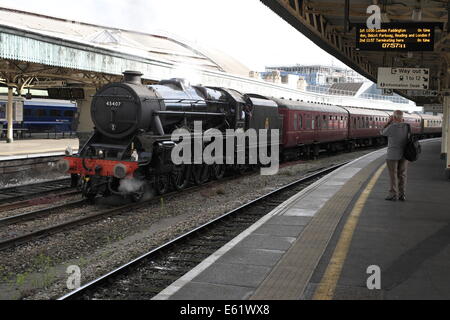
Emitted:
<point x="63" y="165"/>
<point x="120" y="171"/>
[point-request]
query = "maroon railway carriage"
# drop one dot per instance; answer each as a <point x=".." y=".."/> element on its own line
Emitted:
<point x="364" y="126"/>
<point x="431" y="125"/>
<point x="414" y="121"/>
<point x="310" y="125"/>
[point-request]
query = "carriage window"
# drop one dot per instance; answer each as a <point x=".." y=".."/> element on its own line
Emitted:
<point x="68" y="113"/>
<point x="27" y="112"/>
<point x="300" y="122"/>
<point x="295" y="121"/>
<point x="55" y="113"/>
<point x="41" y="112"/>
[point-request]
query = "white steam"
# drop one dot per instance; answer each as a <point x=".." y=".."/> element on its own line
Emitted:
<point x="130" y="185"/>
<point x="185" y="72"/>
<point x="135" y="185"/>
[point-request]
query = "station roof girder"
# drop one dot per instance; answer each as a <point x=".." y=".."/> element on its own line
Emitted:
<point x="327" y="24"/>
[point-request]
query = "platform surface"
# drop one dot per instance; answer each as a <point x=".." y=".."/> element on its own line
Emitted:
<point x="409" y="241"/>
<point x="287" y="254"/>
<point x="35" y="148"/>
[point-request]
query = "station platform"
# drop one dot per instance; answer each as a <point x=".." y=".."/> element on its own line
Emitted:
<point x="339" y="239"/>
<point x="33" y="148"/>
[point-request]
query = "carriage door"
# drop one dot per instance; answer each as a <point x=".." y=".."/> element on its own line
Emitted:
<point x="316" y="127"/>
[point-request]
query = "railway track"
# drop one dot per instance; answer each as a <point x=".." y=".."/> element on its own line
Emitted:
<point x="147" y="275"/>
<point x="26" y="195"/>
<point x="99" y="213"/>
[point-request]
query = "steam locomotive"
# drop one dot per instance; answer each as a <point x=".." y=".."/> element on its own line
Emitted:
<point x="132" y="142"/>
<point x="132" y="134"/>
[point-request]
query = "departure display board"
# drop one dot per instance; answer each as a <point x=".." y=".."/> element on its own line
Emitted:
<point x="396" y="37"/>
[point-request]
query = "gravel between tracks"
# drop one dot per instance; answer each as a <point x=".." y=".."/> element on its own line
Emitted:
<point x="37" y="270"/>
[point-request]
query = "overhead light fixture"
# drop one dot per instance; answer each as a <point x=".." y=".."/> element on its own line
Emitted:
<point x="28" y="96"/>
<point x="416" y="14"/>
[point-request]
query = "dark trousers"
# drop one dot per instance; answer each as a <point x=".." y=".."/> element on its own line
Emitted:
<point x="397" y="173"/>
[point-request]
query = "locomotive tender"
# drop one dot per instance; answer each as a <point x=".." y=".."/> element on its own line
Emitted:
<point x="133" y="126"/>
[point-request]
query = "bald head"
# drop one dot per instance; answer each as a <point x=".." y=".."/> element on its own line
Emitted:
<point x="398" y="115"/>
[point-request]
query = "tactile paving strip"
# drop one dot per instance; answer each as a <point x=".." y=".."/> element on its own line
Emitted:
<point x="290" y="277"/>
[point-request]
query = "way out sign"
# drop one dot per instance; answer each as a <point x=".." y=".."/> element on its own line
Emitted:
<point x="403" y="78"/>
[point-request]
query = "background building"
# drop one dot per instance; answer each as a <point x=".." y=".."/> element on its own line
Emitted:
<point x="318" y="74"/>
<point x="327" y="80"/>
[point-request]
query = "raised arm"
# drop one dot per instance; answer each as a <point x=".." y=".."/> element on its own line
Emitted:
<point x="385" y="130"/>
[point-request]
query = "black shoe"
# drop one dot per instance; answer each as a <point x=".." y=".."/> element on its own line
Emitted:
<point x="391" y="198"/>
<point x="402" y="197"/>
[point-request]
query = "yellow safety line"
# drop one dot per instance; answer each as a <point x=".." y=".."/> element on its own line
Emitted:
<point x="327" y="286"/>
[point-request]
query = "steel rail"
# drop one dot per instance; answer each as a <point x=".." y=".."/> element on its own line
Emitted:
<point x="26" y="190"/>
<point x="38" y="213"/>
<point x="11" y="242"/>
<point x="34" y="201"/>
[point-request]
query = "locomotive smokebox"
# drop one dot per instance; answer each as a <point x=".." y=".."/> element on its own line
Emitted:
<point x="134" y="77"/>
<point x="120" y="109"/>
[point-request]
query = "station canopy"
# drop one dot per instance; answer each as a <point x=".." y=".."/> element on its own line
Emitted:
<point x="33" y="43"/>
<point x="332" y="25"/>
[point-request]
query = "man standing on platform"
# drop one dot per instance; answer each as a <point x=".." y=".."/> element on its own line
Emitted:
<point x="397" y="132"/>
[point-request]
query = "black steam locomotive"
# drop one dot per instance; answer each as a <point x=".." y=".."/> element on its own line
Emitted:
<point x="130" y="148"/>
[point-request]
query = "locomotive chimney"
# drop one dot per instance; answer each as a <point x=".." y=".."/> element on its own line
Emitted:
<point x="132" y="77"/>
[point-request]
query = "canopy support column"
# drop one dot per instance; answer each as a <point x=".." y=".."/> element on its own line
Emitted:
<point x="445" y="125"/>
<point x="9" y="115"/>
<point x="446" y="134"/>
